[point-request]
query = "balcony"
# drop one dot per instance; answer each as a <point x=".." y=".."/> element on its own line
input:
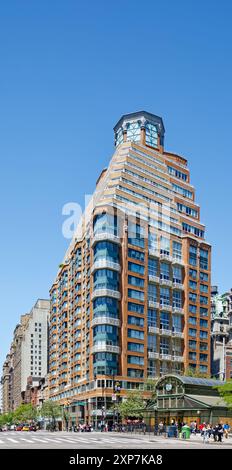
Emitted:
<point x="166" y="357"/>
<point x="152" y="278"/>
<point x="178" y="334"/>
<point x="178" y="310"/>
<point x="105" y="320"/>
<point x="167" y="308"/>
<point x="105" y="236"/>
<point x="165" y="332"/>
<point x="103" y="347"/>
<point x="166" y="257"/>
<point x="107" y="264"/>
<point x="153" y="304"/>
<point x="153" y="329"/>
<point x="177" y="285"/>
<point x="178" y="358"/>
<point x="153" y="252"/>
<point x="176" y="260"/>
<point x="106" y="293"/>
<point x="165" y="282"/>
<point x="153" y="355"/>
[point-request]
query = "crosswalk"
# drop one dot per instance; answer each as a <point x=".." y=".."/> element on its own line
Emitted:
<point x="8" y="438"/>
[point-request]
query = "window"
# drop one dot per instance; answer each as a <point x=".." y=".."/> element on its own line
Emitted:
<point x="164" y="245"/>
<point x="192" y="356"/>
<point x="203" y="288"/>
<point x="192" y="344"/>
<point x="203" y="323"/>
<point x="193" y="255"/>
<point x="151" y="134"/>
<point x="193" y="273"/>
<point x="203" y="300"/>
<point x="204" y="277"/>
<point x="192" y="320"/>
<point x="176" y="323"/>
<point x="135" y="294"/>
<point x="164" y="296"/>
<point x="136" y="373"/>
<point x="164" y="271"/>
<point x="177" y="274"/>
<point x="152" y="267"/>
<point x="152" y="293"/>
<point x="203" y="347"/>
<point x="137" y="347"/>
<point x="203" y="334"/>
<point x="192" y="297"/>
<point x="192" y="332"/>
<point x="151" y="343"/>
<point x="164" y="345"/>
<point x="135" y="234"/>
<point x="203" y="368"/>
<point x="192" y="285"/>
<point x="152" y="240"/>
<point x="176" y="250"/>
<point x="135" y="321"/>
<point x="136" y="360"/>
<point x="135" y="334"/>
<point x="177" y="299"/>
<point x="191" y="229"/>
<point x="192" y="308"/>
<point x="177" y="173"/>
<point x="204" y="259"/>
<point x="136" y="268"/>
<point x="139" y="255"/>
<point x="180" y="190"/>
<point x="203" y="312"/>
<point x="164" y="320"/>
<point x="133" y="131"/>
<point x="152" y="317"/>
<point x="132" y="307"/>
<point x="135" y="281"/>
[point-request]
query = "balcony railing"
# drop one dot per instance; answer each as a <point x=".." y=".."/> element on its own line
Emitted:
<point x="153" y="278"/>
<point x="177" y="285"/>
<point x="178" y="334"/>
<point x="153" y="329"/>
<point x="165" y="282"/>
<point x="168" y="308"/>
<point x="166" y="357"/>
<point x="165" y="332"/>
<point x="106" y="292"/>
<point x="153" y="304"/>
<point x="165" y="257"/>
<point x="178" y="358"/>
<point x="153" y="355"/>
<point x="178" y="310"/>
<point x="103" y="347"/>
<point x="105" y="236"/>
<point x="105" y="320"/>
<point x="105" y="263"/>
<point x="153" y="252"/>
<point x="176" y="260"/>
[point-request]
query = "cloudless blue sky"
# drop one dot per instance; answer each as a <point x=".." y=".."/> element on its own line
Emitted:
<point x="68" y="71"/>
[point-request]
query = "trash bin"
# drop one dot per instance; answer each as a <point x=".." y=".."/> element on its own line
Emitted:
<point x="186" y="432"/>
<point x="171" y="431"/>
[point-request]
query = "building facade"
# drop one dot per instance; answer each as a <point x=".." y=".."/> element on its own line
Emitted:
<point x="131" y="300"/>
<point x="221" y="334"/>
<point x="28" y="357"/>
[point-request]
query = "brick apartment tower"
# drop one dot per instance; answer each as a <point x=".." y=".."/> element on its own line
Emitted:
<point x="131" y="299"/>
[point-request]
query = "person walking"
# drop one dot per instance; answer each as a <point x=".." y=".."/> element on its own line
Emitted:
<point x="220" y="432"/>
<point x="226" y="428"/>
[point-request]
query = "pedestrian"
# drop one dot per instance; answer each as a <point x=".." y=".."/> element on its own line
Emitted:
<point x="215" y="433"/>
<point x="220" y="432"/>
<point x="161" y="427"/>
<point x="226" y="430"/>
<point x="206" y="433"/>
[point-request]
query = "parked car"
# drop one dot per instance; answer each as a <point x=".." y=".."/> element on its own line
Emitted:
<point x="26" y="427"/>
<point x="12" y="427"/>
<point x="32" y="427"/>
<point x="19" y="427"/>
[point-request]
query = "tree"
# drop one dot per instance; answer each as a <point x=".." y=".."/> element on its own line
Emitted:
<point x="191" y="372"/>
<point x="132" y="406"/>
<point x="225" y="392"/>
<point x="24" y="413"/>
<point x="51" y="410"/>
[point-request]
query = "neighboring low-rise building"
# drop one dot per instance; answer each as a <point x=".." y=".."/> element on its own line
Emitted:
<point x="221" y="334"/>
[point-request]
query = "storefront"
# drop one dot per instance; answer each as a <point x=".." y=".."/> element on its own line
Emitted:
<point x="186" y="399"/>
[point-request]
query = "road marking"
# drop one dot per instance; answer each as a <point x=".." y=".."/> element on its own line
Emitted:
<point x="27" y="440"/>
<point x="12" y="440"/>
<point x="39" y="440"/>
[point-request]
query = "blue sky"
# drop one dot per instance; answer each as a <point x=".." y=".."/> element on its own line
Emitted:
<point x="68" y="71"/>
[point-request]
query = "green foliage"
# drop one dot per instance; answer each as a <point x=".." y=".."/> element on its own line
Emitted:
<point x="24" y="413"/>
<point x="132" y="406"/>
<point x="50" y="409"/>
<point x="6" y="418"/>
<point x="225" y="392"/>
<point x="192" y="372"/>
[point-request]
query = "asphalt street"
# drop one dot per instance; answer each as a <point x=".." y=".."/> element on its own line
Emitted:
<point x="98" y="440"/>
